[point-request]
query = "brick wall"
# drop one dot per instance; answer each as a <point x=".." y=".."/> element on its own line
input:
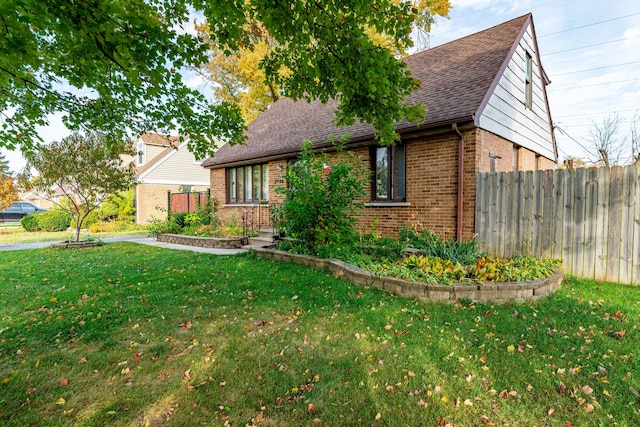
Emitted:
<point x="226" y="211"/>
<point x="511" y="158"/>
<point x="431" y="185"/>
<point x="151" y="200"/>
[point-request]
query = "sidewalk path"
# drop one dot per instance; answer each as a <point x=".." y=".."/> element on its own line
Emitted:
<point x="144" y="240"/>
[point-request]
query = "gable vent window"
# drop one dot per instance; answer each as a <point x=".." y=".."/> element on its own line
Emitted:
<point x="528" y="89"/>
<point x="140" y="153"/>
<point x="248" y="184"/>
<point x="388" y="173"/>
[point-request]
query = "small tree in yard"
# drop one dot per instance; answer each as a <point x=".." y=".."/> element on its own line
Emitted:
<point x="85" y="168"/>
<point x="321" y="200"/>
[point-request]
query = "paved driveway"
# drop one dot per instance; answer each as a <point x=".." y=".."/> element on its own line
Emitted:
<point x="144" y="240"/>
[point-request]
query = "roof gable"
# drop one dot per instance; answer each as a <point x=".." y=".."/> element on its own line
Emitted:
<point x="455" y="76"/>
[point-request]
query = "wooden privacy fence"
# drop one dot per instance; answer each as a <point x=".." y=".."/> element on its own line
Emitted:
<point x="185" y="202"/>
<point x="589" y="218"/>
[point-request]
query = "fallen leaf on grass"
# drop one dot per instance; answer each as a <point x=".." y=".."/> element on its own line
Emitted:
<point x="587" y="390"/>
<point x="618" y="334"/>
<point x="61" y="401"/>
<point x="486" y="420"/>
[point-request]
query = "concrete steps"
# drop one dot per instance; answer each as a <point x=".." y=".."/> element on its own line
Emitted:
<point x="265" y="238"/>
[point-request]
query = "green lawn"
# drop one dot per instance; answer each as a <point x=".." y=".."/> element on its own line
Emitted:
<point x="131" y="335"/>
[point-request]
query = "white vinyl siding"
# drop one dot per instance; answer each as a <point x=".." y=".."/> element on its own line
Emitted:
<point x="177" y="167"/>
<point x="507" y="113"/>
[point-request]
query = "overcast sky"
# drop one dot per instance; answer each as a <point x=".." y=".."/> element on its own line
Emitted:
<point x="589" y="49"/>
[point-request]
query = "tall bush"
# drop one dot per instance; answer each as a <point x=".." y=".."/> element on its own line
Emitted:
<point x="30" y="222"/>
<point x="322" y="198"/>
<point x="54" y="220"/>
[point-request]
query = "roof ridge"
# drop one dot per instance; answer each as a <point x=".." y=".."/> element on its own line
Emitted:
<point x="509" y="22"/>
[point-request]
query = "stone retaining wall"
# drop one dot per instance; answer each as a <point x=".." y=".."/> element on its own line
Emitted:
<point x="203" y="242"/>
<point x="493" y="292"/>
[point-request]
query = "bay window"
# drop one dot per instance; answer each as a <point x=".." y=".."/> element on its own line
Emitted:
<point x="248" y="184"/>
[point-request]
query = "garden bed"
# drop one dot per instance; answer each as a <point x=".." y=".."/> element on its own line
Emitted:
<point x="202" y="242"/>
<point x="76" y="245"/>
<point x="491" y="292"/>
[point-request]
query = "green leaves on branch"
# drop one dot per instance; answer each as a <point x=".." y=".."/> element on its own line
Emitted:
<point x="116" y="66"/>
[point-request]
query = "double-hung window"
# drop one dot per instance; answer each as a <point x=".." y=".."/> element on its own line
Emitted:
<point x="388" y="168"/>
<point x="248" y="184"/>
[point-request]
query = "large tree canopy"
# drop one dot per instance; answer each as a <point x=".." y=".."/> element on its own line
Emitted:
<point x="239" y="78"/>
<point x="114" y="65"/>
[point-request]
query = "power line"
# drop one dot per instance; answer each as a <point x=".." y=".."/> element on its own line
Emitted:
<point x="564" y="132"/>
<point x="601" y="112"/>
<point x="589" y="25"/>
<point x="591" y="85"/>
<point x="597" y="68"/>
<point x="585" y="125"/>
<point x="588" y="46"/>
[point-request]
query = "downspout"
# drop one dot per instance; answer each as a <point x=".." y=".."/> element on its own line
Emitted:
<point x="459" y="218"/>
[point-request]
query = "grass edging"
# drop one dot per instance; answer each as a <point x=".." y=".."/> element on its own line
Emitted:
<point x="529" y="290"/>
<point x="203" y="242"/>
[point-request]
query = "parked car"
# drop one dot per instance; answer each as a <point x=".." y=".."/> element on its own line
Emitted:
<point x="19" y="210"/>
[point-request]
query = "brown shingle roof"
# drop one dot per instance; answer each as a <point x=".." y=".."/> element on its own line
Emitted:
<point x="455" y="78"/>
<point x="159" y="139"/>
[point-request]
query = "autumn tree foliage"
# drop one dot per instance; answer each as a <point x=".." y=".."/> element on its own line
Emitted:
<point x="114" y="66"/>
<point x="85" y="168"/>
<point x="238" y="75"/>
<point x="8" y="193"/>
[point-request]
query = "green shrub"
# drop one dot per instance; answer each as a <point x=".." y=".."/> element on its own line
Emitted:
<point x="54" y="220"/>
<point x="466" y="252"/>
<point x="320" y="205"/>
<point x="193" y="219"/>
<point x="231" y="228"/>
<point x="114" y="226"/>
<point x="30" y="222"/>
<point x="180" y="219"/>
<point x="163" y="227"/>
<point x="89" y="220"/>
<point x="119" y="206"/>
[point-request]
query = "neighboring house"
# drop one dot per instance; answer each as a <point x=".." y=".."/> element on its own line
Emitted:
<point x="164" y="164"/>
<point x="487" y="110"/>
<point x="55" y="199"/>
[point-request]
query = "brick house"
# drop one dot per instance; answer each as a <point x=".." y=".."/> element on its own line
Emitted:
<point x="487" y="110"/>
<point x="163" y="164"/>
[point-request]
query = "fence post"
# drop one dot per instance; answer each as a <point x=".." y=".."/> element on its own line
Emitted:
<point x="168" y="204"/>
